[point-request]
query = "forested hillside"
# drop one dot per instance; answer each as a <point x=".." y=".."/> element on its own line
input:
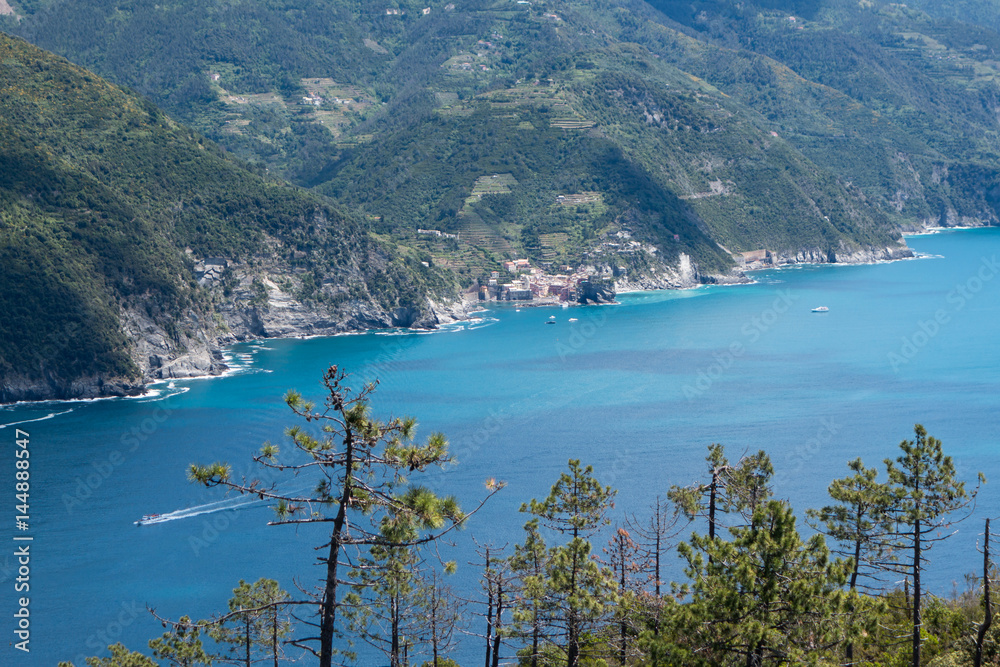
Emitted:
<point x="624" y="136"/>
<point x="814" y="130"/>
<point x="110" y="212"/>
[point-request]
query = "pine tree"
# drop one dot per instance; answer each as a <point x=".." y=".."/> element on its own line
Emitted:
<point x="385" y="599"/>
<point x="362" y="464"/>
<point x="580" y="589"/>
<point x="925" y="492"/>
<point x="764" y="597"/>
<point x="181" y="645"/>
<point x="530" y="563"/>
<point x="256" y="625"/>
<point x="706" y="499"/>
<point x="740" y="487"/>
<point x="860" y="524"/>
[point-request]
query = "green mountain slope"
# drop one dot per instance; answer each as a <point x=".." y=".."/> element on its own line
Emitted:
<point x="618" y="134"/>
<point x="901" y="104"/>
<point x="611" y="117"/>
<point x="129" y="246"/>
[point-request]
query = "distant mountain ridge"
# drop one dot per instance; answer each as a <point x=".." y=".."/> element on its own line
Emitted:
<point x="344" y="96"/>
<point x="132" y="248"/>
<point x="651" y="143"/>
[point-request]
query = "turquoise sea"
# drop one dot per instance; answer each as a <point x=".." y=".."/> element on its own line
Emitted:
<point x="638" y="390"/>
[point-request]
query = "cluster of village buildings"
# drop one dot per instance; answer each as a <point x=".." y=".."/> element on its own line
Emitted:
<point x="533" y="283"/>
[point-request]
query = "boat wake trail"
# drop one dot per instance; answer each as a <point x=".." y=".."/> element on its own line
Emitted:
<point x="219" y="506"/>
<point x="51" y="415"/>
<point x="224" y="505"/>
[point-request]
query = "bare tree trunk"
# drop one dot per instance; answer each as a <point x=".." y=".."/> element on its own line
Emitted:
<point x="246" y="622"/>
<point x="573" y="650"/>
<point x="329" y="605"/>
<point x="916" y="593"/>
<point x="623" y="629"/>
<point x="434" y="628"/>
<point x="573" y="631"/>
<point x="274" y="637"/>
<point x="534" y="635"/>
<point x="988" y="618"/>
<point x="496" y="632"/>
<point x="395" y="651"/>
<point x="712" y="491"/>
<point x="854" y="578"/>
<point x="489" y="610"/>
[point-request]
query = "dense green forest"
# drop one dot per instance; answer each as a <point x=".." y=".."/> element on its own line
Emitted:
<point x="620" y="135"/>
<point x="579" y="589"/>
<point x="811" y="129"/>
<point x="106" y="205"/>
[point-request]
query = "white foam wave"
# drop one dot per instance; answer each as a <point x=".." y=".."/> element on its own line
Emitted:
<point x="51" y="415"/>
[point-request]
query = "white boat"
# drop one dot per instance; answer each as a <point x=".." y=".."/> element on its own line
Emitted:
<point x="820" y="309"/>
<point x="573" y="319"/>
<point x="148" y="518"/>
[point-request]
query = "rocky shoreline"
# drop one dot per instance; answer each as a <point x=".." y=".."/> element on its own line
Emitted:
<point x="202" y="339"/>
<point x="199" y="350"/>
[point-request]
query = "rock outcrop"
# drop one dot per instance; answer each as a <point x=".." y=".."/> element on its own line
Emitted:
<point x="596" y="292"/>
<point x="844" y="255"/>
<point x="19" y="388"/>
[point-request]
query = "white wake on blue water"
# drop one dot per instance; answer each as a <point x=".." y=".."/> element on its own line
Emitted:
<point x="228" y="504"/>
<point x="233" y="503"/>
<point x="51" y="415"/>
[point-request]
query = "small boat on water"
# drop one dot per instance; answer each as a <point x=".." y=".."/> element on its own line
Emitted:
<point x="148" y="518"/>
<point x="820" y="309"/>
<point x="573" y="319"/>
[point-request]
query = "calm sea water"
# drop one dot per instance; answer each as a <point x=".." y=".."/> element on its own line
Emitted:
<point x="637" y="390"/>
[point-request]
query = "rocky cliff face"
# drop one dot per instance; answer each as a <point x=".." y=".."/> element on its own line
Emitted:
<point x="686" y="274"/>
<point x="265" y="305"/>
<point x="683" y="275"/>
<point x="192" y="346"/>
<point x="596" y="292"/>
<point x="248" y="315"/>
<point x="20" y="388"/>
<point x="843" y="256"/>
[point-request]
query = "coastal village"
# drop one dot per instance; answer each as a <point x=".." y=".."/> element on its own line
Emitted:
<point x="532" y="283"/>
